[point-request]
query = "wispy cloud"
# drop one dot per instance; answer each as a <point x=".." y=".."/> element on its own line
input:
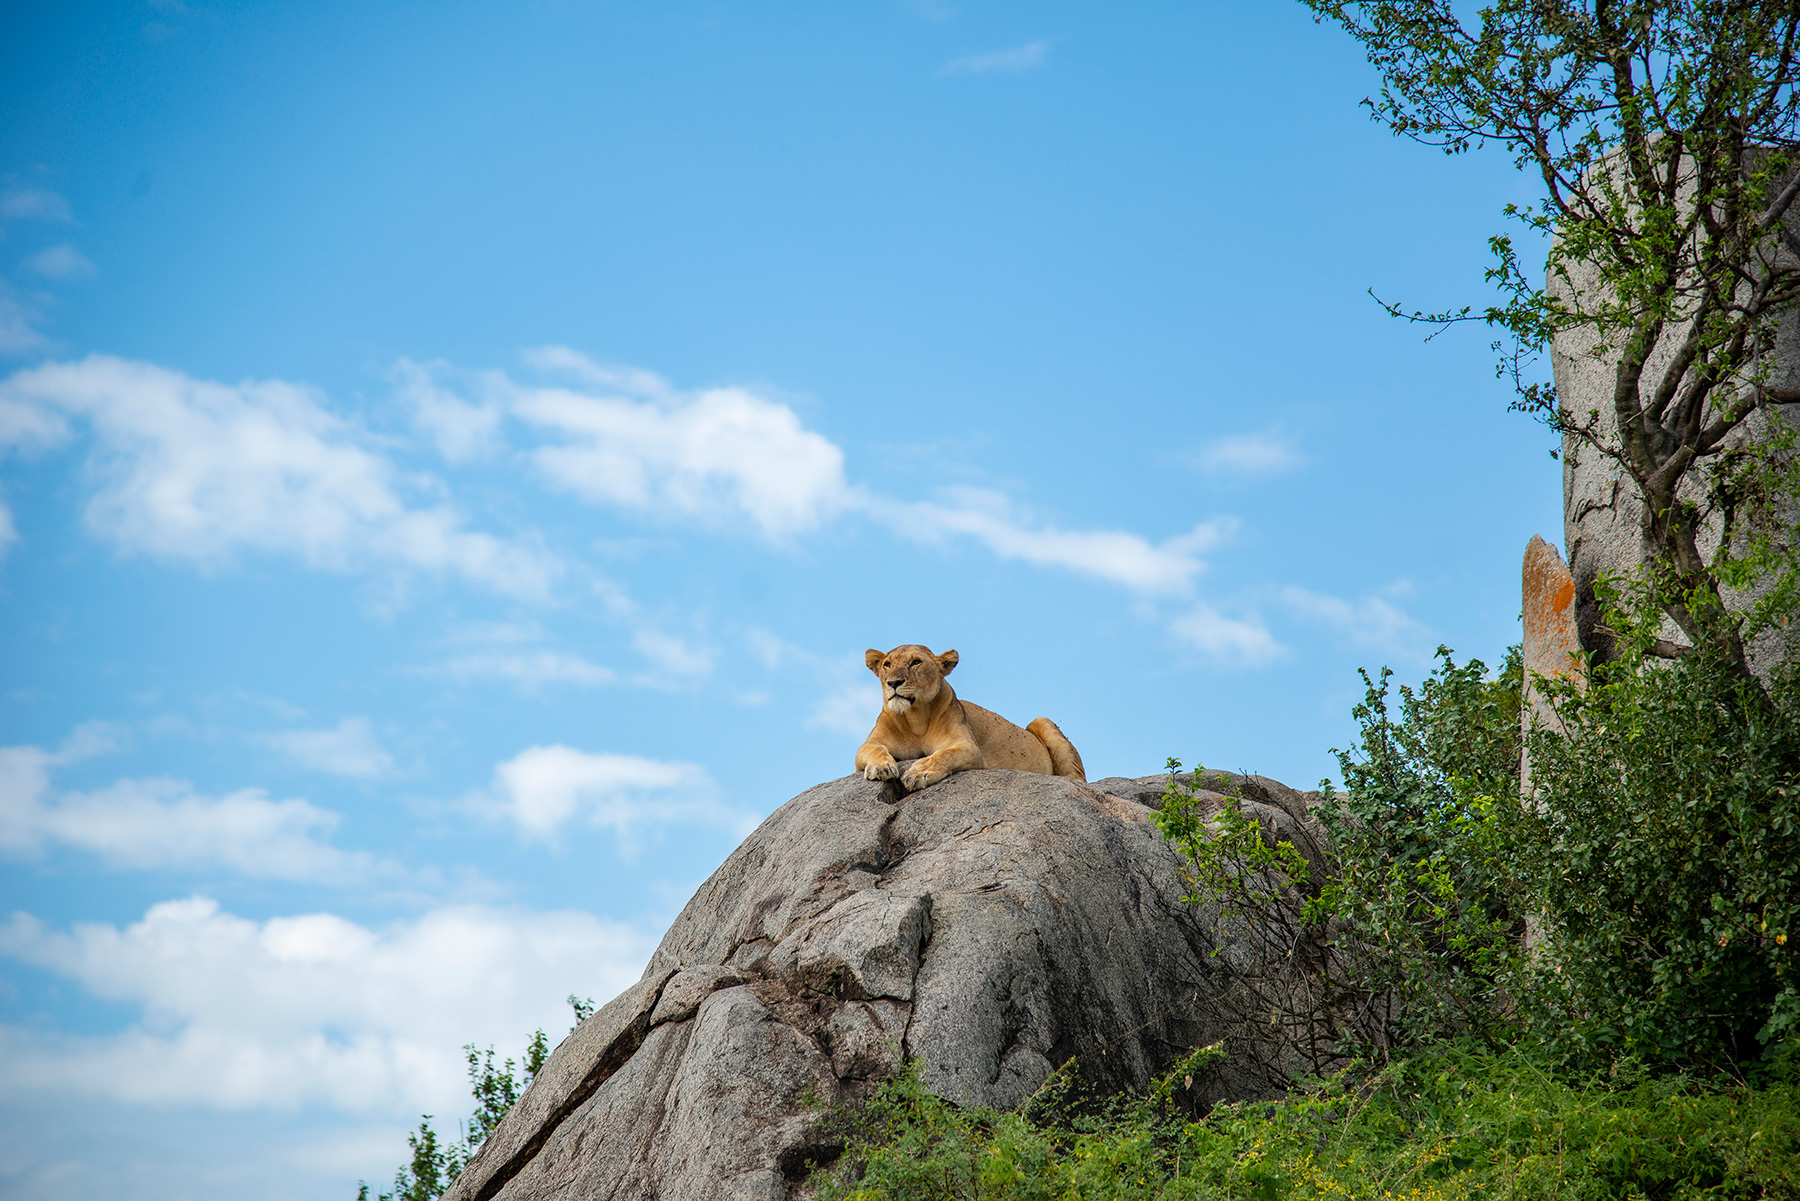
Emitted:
<point x="672" y="656"/>
<point x="627" y="438"/>
<point x="308" y="1008"/>
<point x="1374" y="621"/>
<point x="543" y="788"/>
<point x="1244" y="641"/>
<point x="511" y="652"/>
<point x="193" y="469"/>
<point x="1120" y="557"/>
<point x="461" y="429"/>
<point x="20" y="202"/>
<point x="199" y="470"/>
<point x="1270" y="452"/>
<point x="850" y="709"/>
<point x="529" y="669"/>
<point x="1015" y="61"/>
<point x="61" y="262"/>
<point x="19" y="319"/>
<point x="160" y="824"/>
<point x="349" y="748"/>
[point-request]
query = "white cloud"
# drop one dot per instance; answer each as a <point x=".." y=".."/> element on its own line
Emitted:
<point x="1268" y="453"/>
<point x="850" y="709"/>
<point x="1244" y="641"/>
<point x="1372" y="621"/>
<point x="163" y="824"/>
<point x="500" y="650"/>
<point x="673" y="656"/>
<point x="192" y="469"/>
<point x="1015" y="61"/>
<point x="544" y="787"/>
<point x="346" y="749"/>
<point x="34" y="204"/>
<point x="23" y="426"/>
<point x="529" y="669"/>
<point x="462" y="430"/>
<point x="631" y="440"/>
<point x="60" y="262"/>
<point x="18" y="324"/>
<point x="311" y="1008"/>
<point x="626" y="437"/>
<point x="28" y="424"/>
<point x="1115" y="555"/>
<point x="771" y="649"/>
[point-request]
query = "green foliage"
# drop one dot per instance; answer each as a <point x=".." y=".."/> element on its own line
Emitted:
<point x="1664" y="135"/>
<point x="435" y="1163"/>
<point x="1281" y="1004"/>
<point x="1432" y="853"/>
<point x="433" y="1166"/>
<point x="1415" y="935"/>
<point x="1465" y="1121"/>
<point x="1235" y="865"/>
<point x="1671" y="871"/>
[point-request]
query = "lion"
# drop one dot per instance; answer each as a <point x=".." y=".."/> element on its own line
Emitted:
<point x="922" y="718"/>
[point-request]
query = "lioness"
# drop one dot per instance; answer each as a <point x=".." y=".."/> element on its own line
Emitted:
<point x="921" y="718"/>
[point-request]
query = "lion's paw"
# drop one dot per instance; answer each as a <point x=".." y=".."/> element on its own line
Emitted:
<point x="881" y="771"/>
<point x="918" y="777"/>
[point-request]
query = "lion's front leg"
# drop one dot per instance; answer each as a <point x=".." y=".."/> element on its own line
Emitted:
<point x="959" y="756"/>
<point x="875" y="762"/>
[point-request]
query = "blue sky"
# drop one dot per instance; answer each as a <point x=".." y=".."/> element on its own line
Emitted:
<point x="454" y="457"/>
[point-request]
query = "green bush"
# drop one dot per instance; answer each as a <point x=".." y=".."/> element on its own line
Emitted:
<point x="1659" y="855"/>
<point x="1416" y="933"/>
<point x="1433" y="854"/>
<point x="1670" y="872"/>
<point x="1464" y="1121"/>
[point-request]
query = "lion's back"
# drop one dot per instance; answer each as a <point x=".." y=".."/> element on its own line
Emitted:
<point x="1004" y="744"/>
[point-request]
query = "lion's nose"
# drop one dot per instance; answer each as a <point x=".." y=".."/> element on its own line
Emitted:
<point x="896" y="681"/>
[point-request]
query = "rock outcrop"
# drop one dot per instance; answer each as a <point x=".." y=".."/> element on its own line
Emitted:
<point x="1603" y="510"/>
<point x="1551" y="647"/>
<point x="992" y="926"/>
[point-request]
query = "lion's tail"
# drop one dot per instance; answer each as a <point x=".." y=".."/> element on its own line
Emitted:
<point x="1065" y="760"/>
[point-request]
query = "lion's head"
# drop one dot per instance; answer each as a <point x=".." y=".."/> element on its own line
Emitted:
<point x="910" y="675"/>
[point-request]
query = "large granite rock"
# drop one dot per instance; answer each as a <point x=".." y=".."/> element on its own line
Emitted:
<point x="1603" y="513"/>
<point x="993" y="926"/>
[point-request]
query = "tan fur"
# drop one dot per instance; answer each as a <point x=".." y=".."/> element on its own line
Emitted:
<point x="921" y="718"/>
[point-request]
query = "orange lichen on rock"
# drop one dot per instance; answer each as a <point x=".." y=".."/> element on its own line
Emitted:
<point x="1551" y="648"/>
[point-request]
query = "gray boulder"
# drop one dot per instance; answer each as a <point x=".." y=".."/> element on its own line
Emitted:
<point x="992" y="926"/>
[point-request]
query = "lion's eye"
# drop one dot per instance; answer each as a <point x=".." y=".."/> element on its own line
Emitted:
<point x="914" y="663"/>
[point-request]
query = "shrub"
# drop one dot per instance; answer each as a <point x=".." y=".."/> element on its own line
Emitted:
<point x="1671" y="870"/>
<point x="1466" y="1121"/>
<point x="1433" y="854"/>
<point x="1416" y="934"/>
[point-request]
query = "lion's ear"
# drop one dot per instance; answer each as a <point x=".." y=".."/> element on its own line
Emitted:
<point x="947" y="661"/>
<point x="873" y="659"/>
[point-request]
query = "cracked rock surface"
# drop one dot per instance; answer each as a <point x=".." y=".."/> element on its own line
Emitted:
<point x="991" y="926"/>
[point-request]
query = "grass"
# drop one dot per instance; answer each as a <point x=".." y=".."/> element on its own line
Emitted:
<point x="1451" y="1123"/>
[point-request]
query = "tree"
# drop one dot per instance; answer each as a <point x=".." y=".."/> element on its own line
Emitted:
<point x="436" y="1164"/>
<point x="1664" y="134"/>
